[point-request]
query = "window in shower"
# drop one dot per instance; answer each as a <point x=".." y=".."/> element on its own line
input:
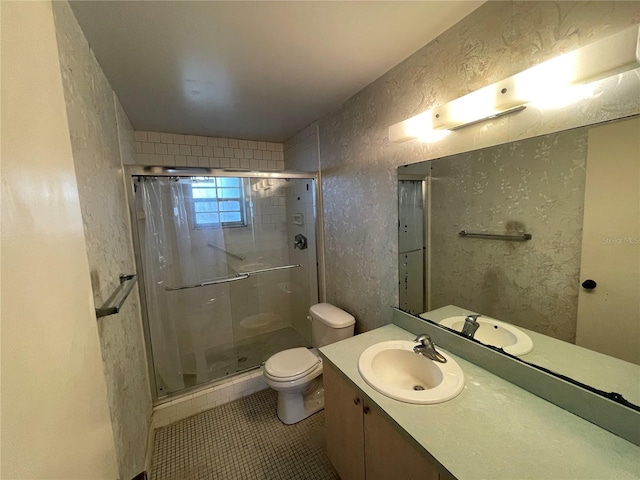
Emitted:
<point x="218" y="202"/>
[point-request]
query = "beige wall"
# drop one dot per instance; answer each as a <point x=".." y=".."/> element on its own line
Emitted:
<point x="100" y="133"/>
<point x="55" y="417"/>
<point x="359" y="164"/>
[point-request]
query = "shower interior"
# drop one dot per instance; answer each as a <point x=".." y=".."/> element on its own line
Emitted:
<point x="226" y="280"/>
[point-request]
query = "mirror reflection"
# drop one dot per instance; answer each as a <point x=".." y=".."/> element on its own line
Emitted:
<point x="557" y="251"/>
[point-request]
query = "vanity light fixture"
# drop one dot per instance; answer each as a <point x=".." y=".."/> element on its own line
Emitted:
<point x="488" y="102"/>
<point x="554" y="83"/>
<point x="418" y="127"/>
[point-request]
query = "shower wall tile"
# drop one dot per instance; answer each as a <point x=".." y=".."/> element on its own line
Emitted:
<point x="359" y="164"/>
<point x="161" y="148"/>
<point x="258" y="306"/>
<point x="301" y="150"/>
<point x="303" y="286"/>
<point x="101" y="140"/>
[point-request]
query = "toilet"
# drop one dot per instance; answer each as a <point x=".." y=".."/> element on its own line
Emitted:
<point x="296" y="373"/>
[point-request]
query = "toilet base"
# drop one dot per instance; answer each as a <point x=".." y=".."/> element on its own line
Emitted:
<point x="294" y="407"/>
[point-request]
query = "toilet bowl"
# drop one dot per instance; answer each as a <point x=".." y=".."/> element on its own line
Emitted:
<point x="296" y="373"/>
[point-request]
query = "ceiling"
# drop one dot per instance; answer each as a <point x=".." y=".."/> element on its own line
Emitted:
<point x="255" y="70"/>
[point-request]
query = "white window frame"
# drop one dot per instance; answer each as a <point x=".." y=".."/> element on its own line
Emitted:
<point x="220" y="195"/>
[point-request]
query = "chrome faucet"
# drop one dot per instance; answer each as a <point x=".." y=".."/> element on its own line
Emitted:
<point x="427" y="348"/>
<point x="470" y="325"/>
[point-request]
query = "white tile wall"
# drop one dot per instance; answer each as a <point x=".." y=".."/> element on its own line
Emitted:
<point x="172" y="149"/>
<point x="301" y="150"/>
<point x="211" y="397"/>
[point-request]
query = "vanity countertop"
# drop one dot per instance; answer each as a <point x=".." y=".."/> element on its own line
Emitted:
<point x="495" y="429"/>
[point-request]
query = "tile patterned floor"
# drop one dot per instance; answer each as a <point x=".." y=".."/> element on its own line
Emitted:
<point x="242" y="440"/>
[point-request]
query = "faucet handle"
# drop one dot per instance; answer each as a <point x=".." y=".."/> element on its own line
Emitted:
<point x="427" y="348"/>
<point x="473" y="318"/>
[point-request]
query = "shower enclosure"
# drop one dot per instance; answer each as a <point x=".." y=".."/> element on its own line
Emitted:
<point x="228" y="269"/>
<point x="413" y="239"/>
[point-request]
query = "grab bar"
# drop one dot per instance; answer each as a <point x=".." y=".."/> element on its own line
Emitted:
<point x="116" y="300"/>
<point x="271" y="269"/>
<point x="220" y="249"/>
<point x="236" y="277"/>
<point x="492" y="236"/>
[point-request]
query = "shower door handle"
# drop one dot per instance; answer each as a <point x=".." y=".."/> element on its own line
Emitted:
<point x="239" y="276"/>
<point x="208" y="282"/>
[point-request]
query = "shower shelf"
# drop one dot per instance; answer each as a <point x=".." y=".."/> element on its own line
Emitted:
<point x="234" y="278"/>
<point x="492" y="236"/>
<point x="116" y="300"/>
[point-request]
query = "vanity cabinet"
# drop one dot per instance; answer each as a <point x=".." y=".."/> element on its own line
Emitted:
<point x="362" y="444"/>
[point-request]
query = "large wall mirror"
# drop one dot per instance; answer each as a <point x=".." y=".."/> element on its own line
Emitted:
<point x="541" y="234"/>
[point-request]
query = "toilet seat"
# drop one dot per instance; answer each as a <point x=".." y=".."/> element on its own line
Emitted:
<point x="291" y="364"/>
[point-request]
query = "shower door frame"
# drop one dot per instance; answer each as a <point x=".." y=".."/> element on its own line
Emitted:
<point x="425" y="180"/>
<point x="133" y="171"/>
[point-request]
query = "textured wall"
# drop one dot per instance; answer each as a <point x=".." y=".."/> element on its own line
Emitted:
<point x="359" y="164"/>
<point x="91" y="111"/>
<point x="534" y="186"/>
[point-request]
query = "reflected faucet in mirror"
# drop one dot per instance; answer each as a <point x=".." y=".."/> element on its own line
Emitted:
<point x="470" y="325"/>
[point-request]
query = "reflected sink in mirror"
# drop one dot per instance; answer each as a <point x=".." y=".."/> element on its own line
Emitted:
<point x="495" y="333"/>
<point x="395" y="370"/>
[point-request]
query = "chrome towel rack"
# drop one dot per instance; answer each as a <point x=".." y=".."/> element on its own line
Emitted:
<point x="522" y="237"/>
<point x="116" y="300"/>
<point x="234" y="278"/>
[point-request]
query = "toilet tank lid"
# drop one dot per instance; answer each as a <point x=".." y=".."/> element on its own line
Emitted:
<point x="331" y="315"/>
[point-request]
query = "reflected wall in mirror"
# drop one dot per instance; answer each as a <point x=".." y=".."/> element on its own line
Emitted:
<point x="575" y="192"/>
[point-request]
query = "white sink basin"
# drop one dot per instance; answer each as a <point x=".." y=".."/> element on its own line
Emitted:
<point x="395" y="370"/>
<point x="496" y="333"/>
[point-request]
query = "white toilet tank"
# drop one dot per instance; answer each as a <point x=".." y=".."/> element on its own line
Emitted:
<point x="330" y="324"/>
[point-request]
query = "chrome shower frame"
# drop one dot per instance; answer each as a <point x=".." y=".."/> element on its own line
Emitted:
<point x="133" y="171"/>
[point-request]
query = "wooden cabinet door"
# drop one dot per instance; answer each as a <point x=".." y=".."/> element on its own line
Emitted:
<point x="343" y="419"/>
<point x="389" y="456"/>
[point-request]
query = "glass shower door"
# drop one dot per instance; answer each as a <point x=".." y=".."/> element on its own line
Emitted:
<point x="412" y="245"/>
<point x="229" y="272"/>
